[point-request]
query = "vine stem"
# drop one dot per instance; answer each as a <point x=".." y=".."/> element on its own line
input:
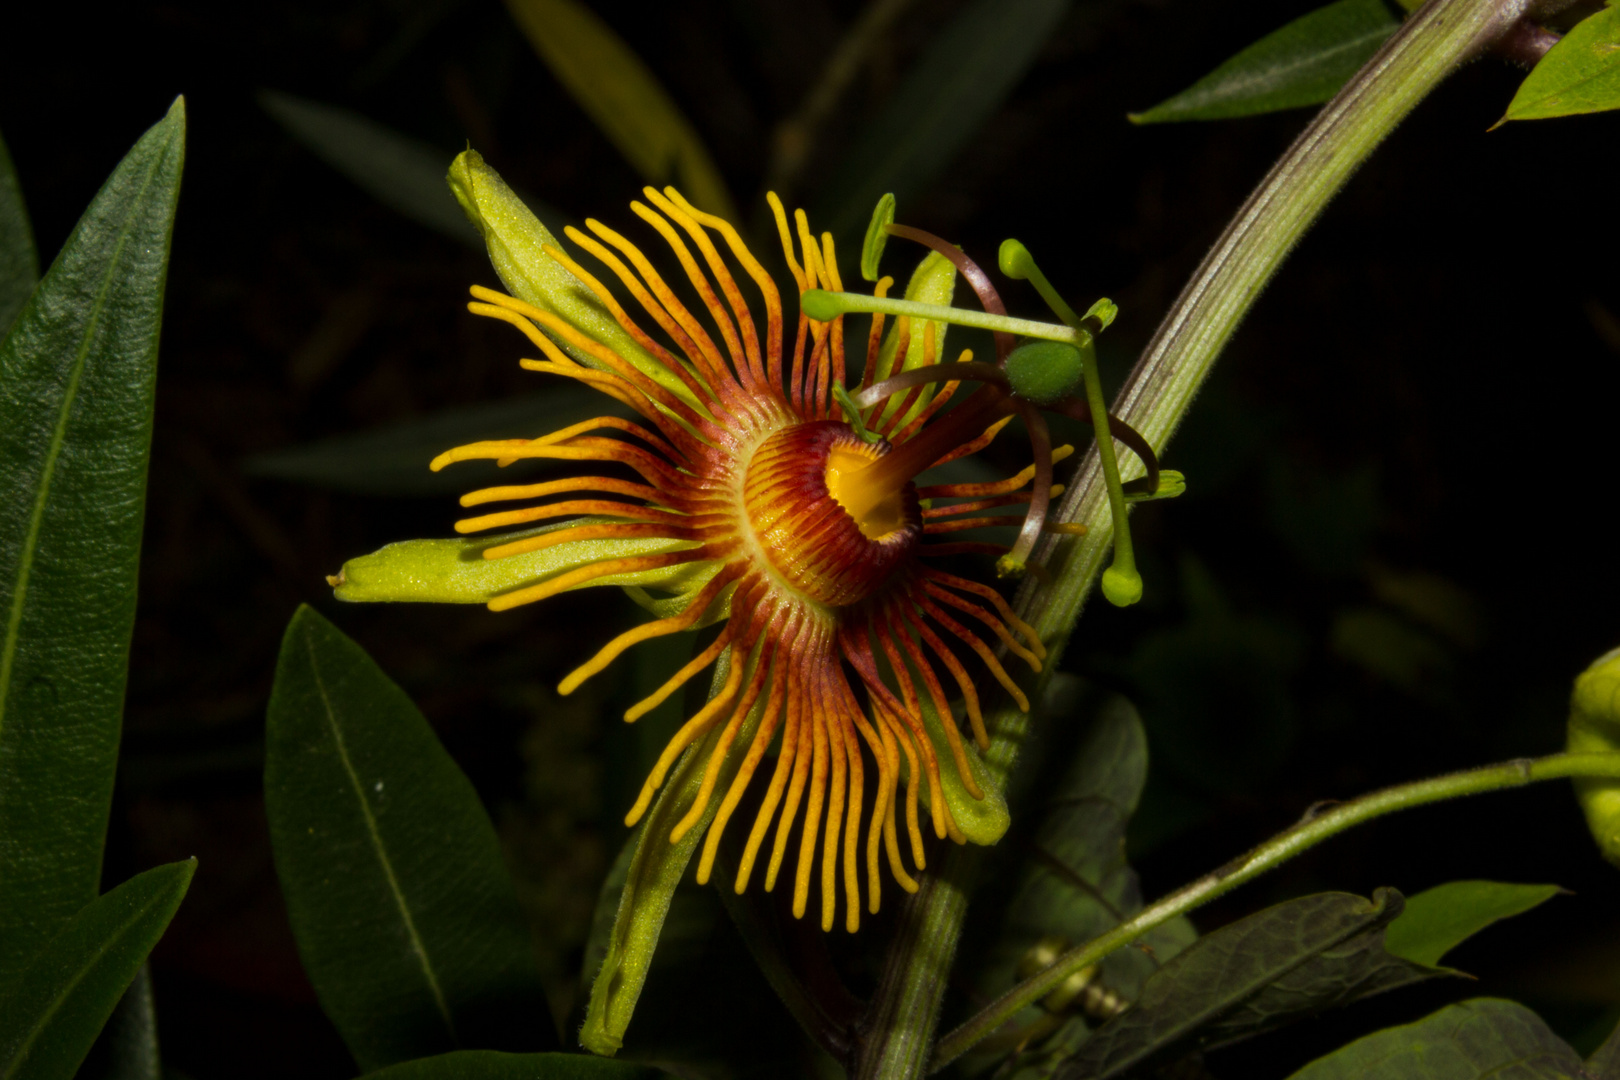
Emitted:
<point x="899" y="1026"/>
<point x="1312" y="830"/>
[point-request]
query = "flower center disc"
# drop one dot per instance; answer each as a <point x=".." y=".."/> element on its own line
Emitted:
<point x="792" y="496"/>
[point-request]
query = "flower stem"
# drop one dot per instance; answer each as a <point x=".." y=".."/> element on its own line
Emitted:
<point x="1432" y="43"/>
<point x="1310" y="831"/>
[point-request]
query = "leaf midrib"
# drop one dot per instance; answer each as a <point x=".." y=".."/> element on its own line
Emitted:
<point x="417" y="945"/>
<point x="21" y="1056"/>
<point x="25" y="562"/>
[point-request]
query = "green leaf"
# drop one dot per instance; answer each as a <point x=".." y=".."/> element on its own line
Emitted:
<point x="624" y="98"/>
<point x="1251" y="975"/>
<point x="1604" y="1064"/>
<point x="492" y="1065"/>
<point x="1482" y="1039"/>
<point x="1580" y="74"/>
<point x="968" y="70"/>
<point x="456" y="572"/>
<point x="1077" y="884"/>
<point x="50" y="1017"/>
<point x="1304" y="63"/>
<point x="1437" y="920"/>
<point x="402" y="173"/>
<point x="19" y="263"/>
<point x="76" y="377"/>
<point x="394" y="460"/>
<point x="127" y="1048"/>
<point x="405" y="917"/>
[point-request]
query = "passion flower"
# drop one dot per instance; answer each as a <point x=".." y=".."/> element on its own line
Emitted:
<point x="797" y="512"/>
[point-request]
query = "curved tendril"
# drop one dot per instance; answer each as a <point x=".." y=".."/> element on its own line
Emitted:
<point x="1079" y="409"/>
<point x="975" y="276"/>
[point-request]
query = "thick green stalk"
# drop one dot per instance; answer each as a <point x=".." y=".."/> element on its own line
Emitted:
<point x="1442" y="35"/>
<point x="1279" y="849"/>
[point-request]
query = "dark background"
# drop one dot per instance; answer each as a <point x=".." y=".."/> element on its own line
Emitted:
<point x="1395" y="553"/>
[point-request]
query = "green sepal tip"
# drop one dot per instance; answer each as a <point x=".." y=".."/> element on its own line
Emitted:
<point x="1171" y="484"/>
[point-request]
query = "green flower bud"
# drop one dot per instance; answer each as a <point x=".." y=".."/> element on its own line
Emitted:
<point x="1594" y="727"/>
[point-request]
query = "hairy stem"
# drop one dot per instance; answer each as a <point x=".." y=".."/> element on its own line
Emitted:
<point x="1442" y="35"/>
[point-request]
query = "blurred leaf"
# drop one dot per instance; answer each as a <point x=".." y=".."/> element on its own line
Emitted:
<point x="1251" y="975"/>
<point x="967" y="71"/>
<point x="405" y="917"/>
<point x="1482" y="1039"/>
<point x="127" y="1048"/>
<point x="1604" y="1064"/>
<point x="1076" y="884"/>
<point x="492" y="1065"/>
<point x="456" y="572"/>
<point x="624" y="98"/>
<point x="394" y="460"/>
<point x="51" y="1015"/>
<point x="1437" y="920"/>
<point x="1579" y="74"/>
<point x="76" y="377"/>
<point x="401" y="172"/>
<point x="19" y="262"/>
<point x="1304" y="63"/>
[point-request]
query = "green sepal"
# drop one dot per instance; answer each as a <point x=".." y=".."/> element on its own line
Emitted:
<point x="877" y="236"/>
<point x="456" y="572"/>
<point x="983" y="821"/>
<point x="516" y="240"/>
<point x="933" y="282"/>
<point x="655" y="871"/>
<point x="1105" y="311"/>
<point x="1594" y="727"/>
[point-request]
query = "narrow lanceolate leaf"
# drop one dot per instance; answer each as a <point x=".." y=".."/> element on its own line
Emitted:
<point x="491" y="1065"/>
<point x="1296" y="957"/>
<point x="55" y="1008"/>
<point x="966" y="73"/>
<point x="624" y="97"/>
<point x="405" y="918"/>
<point x="19" y="265"/>
<point x="401" y="172"/>
<point x="127" y="1048"/>
<point x="1437" y="920"/>
<point x="1580" y="74"/>
<point x="1304" y="63"/>
<point x="1482" y="1039"/>
<point x="76" y="378"/>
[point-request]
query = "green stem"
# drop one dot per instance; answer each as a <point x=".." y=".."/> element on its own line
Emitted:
<point x="1279" y="849"/>
<point x="1431" y="44"/>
